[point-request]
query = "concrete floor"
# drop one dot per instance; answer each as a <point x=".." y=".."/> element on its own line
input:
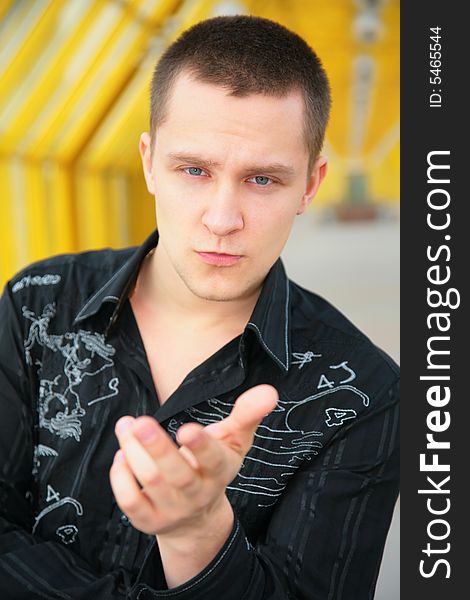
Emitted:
<point x="356" y="267"/>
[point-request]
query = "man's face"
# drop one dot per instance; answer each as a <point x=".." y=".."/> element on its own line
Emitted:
<point x="229" y="176"/>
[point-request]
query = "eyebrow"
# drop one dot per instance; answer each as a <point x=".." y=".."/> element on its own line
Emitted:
<point x="187" y="157"/>
<point x="271" y="168"/>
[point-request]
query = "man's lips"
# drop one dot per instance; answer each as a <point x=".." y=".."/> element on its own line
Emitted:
<point x="219" y="259"/>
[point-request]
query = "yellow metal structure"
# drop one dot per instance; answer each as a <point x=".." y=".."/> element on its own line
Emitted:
<point x="74" y="80"/>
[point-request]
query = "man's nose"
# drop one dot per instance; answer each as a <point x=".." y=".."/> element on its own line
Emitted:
<point x="223" y="213"/>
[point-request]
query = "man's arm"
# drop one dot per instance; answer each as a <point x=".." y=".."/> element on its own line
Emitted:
<point x="29" y="566"/>
<point x="326" y="536"/>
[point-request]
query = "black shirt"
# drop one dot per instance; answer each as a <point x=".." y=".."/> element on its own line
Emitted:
<point x="313" y="499"/>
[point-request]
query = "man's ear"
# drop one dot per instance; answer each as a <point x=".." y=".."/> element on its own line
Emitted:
<point x="316" y="177"/>
<point x="146" y="156"/>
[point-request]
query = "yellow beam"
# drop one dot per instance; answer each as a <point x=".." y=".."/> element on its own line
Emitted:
<point x="8" y="258"/>
<point x="59" y="188"/>
<point x="46" y="84"/>
<point x="5" y="8"/>
<point x="30" y="47"/>
<point x="142" y="216"/>
<point x="99" y="81"/>
<point x="115" y="142"/>
<point x="91" y="209"/>
<point x="101" y="98"/>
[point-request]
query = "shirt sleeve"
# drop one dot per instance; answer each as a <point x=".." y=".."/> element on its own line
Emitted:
<point x="30" y="567"/>
<point x="326" y="537"/>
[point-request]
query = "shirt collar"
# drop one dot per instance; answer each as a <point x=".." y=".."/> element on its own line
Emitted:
<point x="117" y="288"/>
<point x="270" y="317"/>
<point x="269" y="320"/>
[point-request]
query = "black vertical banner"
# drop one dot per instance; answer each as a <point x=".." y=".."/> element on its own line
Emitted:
<point x="435" y="428"/>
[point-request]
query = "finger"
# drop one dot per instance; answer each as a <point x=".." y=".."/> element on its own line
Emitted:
<point x="149" y="437"/>
<point x="140" y="462"/>
<point x="129" y="496"/>
<point x="248" y="411"/>
<point x="189" y="456"/>
<point x="253" y="405"/>
<point x="208" y="452"/>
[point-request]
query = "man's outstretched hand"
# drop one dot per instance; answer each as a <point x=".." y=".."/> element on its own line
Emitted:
<point x="178" y="494"/>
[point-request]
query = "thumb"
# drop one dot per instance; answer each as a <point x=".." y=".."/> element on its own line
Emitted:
<point x="248" y="411"/>
<point x="252" y="406"/>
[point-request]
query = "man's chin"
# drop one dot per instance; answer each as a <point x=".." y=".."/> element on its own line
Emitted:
<point x="216" y="291"/>
<point x="219" y="296"/>
<point x="220" y="284"/>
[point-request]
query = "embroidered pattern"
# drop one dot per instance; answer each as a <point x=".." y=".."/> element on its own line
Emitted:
<point x="39" y="451"/>
<point x="54" y="502"/>
<point x="48" y="279"/>
<point x="291" y="447"/>
<point x="67" y="533"/>
<point x="302" y="358"/>
<point x="85" y="354"/>
<point x="290" y="444"/>
<point x="337" y="416"/>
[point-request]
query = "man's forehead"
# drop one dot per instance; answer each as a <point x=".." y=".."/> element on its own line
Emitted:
<point x="271" y="127"/>
<point x="188" y="79"/>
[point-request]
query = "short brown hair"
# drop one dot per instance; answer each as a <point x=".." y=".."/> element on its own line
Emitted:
<point x="247" y="55"/>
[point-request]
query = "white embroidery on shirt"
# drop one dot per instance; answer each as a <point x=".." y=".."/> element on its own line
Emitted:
<point x="39" y="451"/>
<point x="295" y="444"/>
<point x="324" y="382"/>
<point x="330" y="383"/>
<point x="205" y="417"/>
<point x="172" y="427"/>
<point x="303" y="358"/>
<point x="47" y="279"/>
<point x="67" y="533"/>
<point x="51" y="495"/>
<point x="43" y="450"/>
<point x="284" y="455"/>
<point x="113" y="385"/>
<point x="343" y="365"/>
<point x="337" y="416"/>
<point x="292" y="444"/>
<point x="85" y="354"/>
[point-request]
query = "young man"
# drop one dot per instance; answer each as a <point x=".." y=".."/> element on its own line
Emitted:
<point x="255" y="453"/>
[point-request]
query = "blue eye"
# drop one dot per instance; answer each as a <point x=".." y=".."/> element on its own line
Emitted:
<point x="262" y="180"/>
<point x="191" y="170"/>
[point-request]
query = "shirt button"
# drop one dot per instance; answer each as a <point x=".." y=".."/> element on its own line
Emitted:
<point x="125" y="520"/>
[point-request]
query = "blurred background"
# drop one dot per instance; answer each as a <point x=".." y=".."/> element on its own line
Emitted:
<point x="74" y="89"/>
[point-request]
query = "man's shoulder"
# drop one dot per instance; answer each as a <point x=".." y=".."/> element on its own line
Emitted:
<point x="92" y="264"/>
<point x="318" y="324"/>
<point x="65" y="281"/>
